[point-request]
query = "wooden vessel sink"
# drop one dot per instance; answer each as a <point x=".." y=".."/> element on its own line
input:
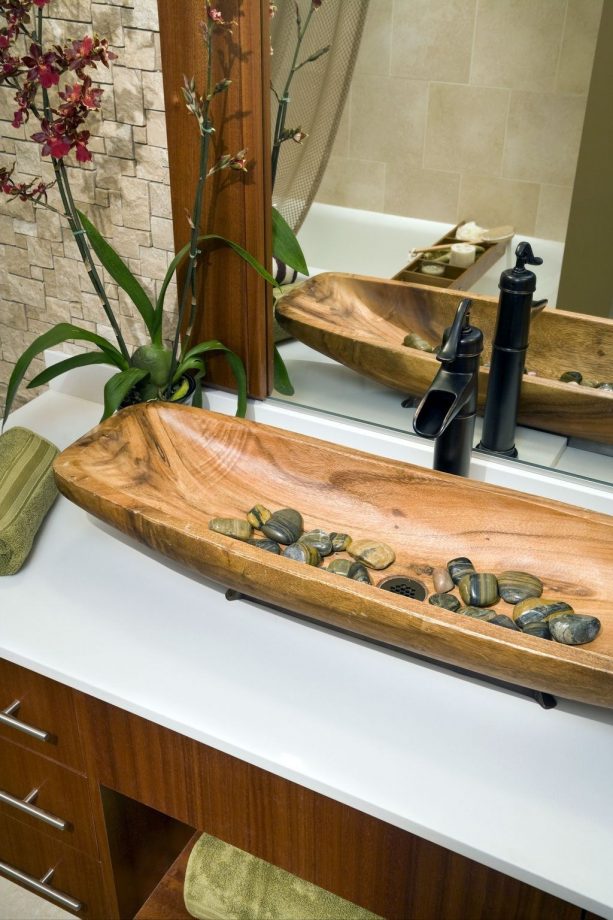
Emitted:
<point x="362" y="322"/>
<point x="160" y="472"/>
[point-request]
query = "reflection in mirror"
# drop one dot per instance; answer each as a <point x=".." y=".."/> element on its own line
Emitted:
<point x="465" y="110"/>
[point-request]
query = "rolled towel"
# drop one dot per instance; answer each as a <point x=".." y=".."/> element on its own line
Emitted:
<point x="27" y="491"/>
<point x="225" y="883"/>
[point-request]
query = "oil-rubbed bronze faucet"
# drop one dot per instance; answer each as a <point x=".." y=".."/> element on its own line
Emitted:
<point x="447" y="411"/>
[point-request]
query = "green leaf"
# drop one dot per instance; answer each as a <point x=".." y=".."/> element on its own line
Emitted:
<point x="193" y="364"/>
<point x="63" y="332"/>
<point x="236" y="366"/>
<point x="62" y="367"/>
<point x="120" y="272"/>
<point x="118" y="387"/>
<point x="285" y="246"/>
<point x="281" y="378"/>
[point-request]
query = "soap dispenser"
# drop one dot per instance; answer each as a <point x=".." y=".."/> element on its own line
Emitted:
<point x="515" y="307"/>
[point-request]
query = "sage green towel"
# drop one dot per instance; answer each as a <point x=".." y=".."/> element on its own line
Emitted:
<point x="27" y="491"/>
<point x="225" y="883"/>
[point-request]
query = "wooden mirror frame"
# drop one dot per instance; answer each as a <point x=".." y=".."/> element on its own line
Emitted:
<point x="237" y="301"/>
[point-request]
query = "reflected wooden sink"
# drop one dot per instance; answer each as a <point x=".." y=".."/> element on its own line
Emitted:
<point x="160" y="473"/>
<point x="362" y="322"/>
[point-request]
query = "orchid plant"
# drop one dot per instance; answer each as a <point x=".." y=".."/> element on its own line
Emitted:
<point x="152" y="371"/>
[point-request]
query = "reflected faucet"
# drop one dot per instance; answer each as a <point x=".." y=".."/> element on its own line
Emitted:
<point x="447" y="411"/>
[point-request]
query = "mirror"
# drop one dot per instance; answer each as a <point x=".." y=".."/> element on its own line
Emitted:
<point x="460" y="110"/>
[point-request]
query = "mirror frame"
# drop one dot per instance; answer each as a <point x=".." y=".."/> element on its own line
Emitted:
<point x="237" y="302"/>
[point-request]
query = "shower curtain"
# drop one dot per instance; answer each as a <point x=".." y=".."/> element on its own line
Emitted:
<point x="317" y="94"/>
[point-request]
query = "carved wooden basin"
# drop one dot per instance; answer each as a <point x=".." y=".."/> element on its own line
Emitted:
<point x="160" y="472"/>
<point x="362" y="322"/>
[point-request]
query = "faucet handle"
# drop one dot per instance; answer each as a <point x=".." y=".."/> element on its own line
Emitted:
<point x="525" y="256"/>
<point x="461" y="323"/>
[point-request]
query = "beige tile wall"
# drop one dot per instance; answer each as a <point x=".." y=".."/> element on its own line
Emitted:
<point x="467" y="108"/>
<point x="125" y="191"/>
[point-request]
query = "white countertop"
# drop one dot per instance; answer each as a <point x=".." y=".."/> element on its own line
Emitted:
<point x="480" y="770"/>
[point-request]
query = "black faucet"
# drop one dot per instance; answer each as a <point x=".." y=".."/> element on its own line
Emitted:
<point x="447" y="411"/>
<point x="515" y="308"/>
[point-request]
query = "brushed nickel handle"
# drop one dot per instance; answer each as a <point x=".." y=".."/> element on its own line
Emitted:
<point x="41" y="886"/>
<point x="7" y="718"/>
<point x="26" y="806"/>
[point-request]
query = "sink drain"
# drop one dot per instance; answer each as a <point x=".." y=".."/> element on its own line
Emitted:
<point x="408" y="587"/>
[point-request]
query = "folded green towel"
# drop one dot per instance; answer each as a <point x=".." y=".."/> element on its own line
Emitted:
<point x="225" y="883"/>
<point x="27" y="491"/>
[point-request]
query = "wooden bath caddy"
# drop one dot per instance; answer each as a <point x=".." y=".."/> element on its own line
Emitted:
<point x="362" y="322"/>
<point x="160" y="473"/>
<point x="454" y="277"/>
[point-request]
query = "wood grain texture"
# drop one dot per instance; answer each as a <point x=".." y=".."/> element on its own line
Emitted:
<point x="160" y="473"/>
<point x="362" y="322"/>
<point x="62" y="793"/>
<point x="381" y="867"/>
<point x="75" y="873"/>
<point x="166" y="902"/>
<point x="234" y="302"/>
<point x="45" y="704"/>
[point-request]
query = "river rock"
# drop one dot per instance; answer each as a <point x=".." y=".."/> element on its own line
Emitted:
<point x="258" y="516"/>
<point x="284" y="526"/>
<point x="571" y="377"/>
<point x="607" y="387"/>
<point x="538" y="629"/>
<point x="574" y="628"/>
<point x="442" y="581"/>
<point x="479" y="590"/>
<point x="514" y="587"/>
<point x="478" y="613"/>
<point x="340" y="541"/>
<point x="448" y="601"/>
<point x="460" y="567"/>
<point x="231" y="527"/>
<point x="302" y="552"/>
<point x="340" y="566"/>
<point x="319" y="539"/>
<point x="501" y="619"/>
<point x="359" y="572"/>
<point x="269" y="545"/>
<point x="412" y="340"/>
<point x="536" y="610"/>
<point x="371" y="553"/>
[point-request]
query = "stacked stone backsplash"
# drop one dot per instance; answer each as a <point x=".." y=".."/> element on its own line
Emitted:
<point x="125" y="191"/>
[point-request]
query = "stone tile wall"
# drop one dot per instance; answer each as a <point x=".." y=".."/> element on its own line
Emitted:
<point x="125" y="191"/>
<point x="467" y="109"/>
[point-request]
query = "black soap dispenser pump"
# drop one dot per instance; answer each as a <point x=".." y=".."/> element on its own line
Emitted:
<point x="517" y="285"/>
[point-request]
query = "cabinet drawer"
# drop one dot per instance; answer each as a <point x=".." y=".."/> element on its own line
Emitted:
<point x="61" y="797"/>
<point x="26" y="857"/>
<point x="44" y="720"/>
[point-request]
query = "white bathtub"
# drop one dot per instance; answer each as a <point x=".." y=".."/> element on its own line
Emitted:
<point x="369" y="243"/>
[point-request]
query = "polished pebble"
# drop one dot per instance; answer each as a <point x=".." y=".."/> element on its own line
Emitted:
<point x="607" y="387"/>
<point x="372" y="553"/>
<point x="514" y="587"/>
<point x="448" y="601"/>
<point x="589" y="382"/>
<point x="302" y="552"/>
<point x="284" y="526"/>
<point x="258" y="516"/>
<point x="571" y="377"/>
<point x="574" y="628"/>
<point x="340" y="541"/>
<point x="460" y="567"/>
<point x="478" y="613"/>
<point x="340" y="566"/>
<point x="479" y="590"/>
<point x="501" y="619"/>
<point x="269" y="545"/>
<point x="412" y="340"/>
<point x="231" y="527"/>
<point x="359" y="572"/>
<point x="442" y="581"/>
<point x="534" y="610"/>
<point x="320" y="540"/>
<point x="538" y="629"/>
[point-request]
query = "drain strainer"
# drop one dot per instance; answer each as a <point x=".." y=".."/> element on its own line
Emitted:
<point x="408" y="587"/>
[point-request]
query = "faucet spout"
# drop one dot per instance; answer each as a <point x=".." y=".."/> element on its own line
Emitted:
<point x="446" y="397"/>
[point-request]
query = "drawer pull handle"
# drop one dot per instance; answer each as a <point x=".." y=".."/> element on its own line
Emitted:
<point x="7" y="718"/>
<point x="26" y="806"/>
<point x="41" y="886"/>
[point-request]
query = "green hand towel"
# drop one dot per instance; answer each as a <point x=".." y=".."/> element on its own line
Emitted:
<point x="27" y="491"/>
<point x="225" y="883"/>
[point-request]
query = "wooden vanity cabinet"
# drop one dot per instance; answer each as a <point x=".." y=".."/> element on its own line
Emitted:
<point x="139" y="791"/>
